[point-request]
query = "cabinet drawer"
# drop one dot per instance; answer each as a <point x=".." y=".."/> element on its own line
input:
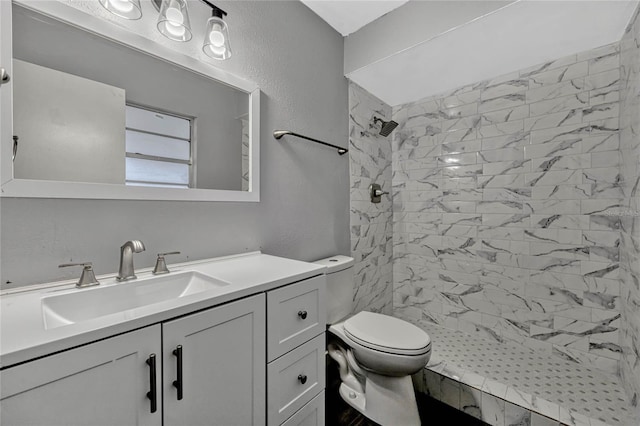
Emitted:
<point x="311" y="414"/>
<point x="294" y="379"/>
<point x="295" y="314"/>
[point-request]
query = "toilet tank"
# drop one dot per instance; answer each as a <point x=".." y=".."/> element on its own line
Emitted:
<point x="340" y="286"/>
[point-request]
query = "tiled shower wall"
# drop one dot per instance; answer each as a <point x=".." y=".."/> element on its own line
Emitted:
<point x="371" y="229"/>
<point x="630" y="210"/>
<point x="504" y="192"/>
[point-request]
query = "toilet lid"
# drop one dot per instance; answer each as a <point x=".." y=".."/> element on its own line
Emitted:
<point x="385" y="331"/>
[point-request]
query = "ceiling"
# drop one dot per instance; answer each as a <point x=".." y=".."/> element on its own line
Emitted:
<point x="348" y="16"/>
<point x="415" y="63"/>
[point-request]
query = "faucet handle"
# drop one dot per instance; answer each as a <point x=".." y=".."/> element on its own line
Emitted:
<point x="161" y="265"/>
<point x="87" y="278"/>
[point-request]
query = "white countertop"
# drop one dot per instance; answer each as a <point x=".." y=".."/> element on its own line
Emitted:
<point x="23" y="335"/>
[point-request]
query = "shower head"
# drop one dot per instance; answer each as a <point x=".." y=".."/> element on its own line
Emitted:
<point x="387" y="126"/>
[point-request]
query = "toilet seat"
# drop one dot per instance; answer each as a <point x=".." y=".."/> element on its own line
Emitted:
<point x="382" y="359"/>
<point x="387" y="334"/>
<point x="393" y="351"/>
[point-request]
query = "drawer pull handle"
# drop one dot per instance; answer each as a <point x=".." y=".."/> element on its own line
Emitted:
<point x="302" y="314"/>
<point x="151" y="362"/>
<point x="4" y="77"/>
<point x="177" y="352"/>
<point x="302" y="378"/>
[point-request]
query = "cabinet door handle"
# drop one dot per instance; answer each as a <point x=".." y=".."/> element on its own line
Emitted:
<point x="177" y="352"/>
<point x="302" y="378"/>
<point x="302" y="314"/>
<point x="15" y="148"/>
<point x="152" y="395"/>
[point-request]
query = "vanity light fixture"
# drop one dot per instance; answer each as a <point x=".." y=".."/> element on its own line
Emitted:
<point x="128" y="9"/>
<point x="173" y="21"/>
<point x="216" y="39"/>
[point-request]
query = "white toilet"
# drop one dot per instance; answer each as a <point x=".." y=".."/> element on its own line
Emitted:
<point x="376" y="353"/>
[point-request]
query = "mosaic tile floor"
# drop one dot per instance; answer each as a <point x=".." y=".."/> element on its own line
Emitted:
<point x="556" y="388"/>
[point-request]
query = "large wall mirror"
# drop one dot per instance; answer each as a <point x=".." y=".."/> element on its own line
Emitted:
<point x="101" y="112"/>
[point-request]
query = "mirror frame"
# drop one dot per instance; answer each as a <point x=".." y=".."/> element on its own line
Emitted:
<point x="27" y="188"/>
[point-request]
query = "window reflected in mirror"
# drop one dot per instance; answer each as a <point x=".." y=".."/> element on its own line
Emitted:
<point x="158" y="149"/>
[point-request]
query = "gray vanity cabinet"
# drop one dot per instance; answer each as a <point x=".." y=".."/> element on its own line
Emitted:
<point x="221" y="352"/>
<point x="103" y="383"/>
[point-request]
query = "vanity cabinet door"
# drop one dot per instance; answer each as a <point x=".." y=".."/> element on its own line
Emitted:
<point x="216" y="357"/>
<point x="103" y="383"/>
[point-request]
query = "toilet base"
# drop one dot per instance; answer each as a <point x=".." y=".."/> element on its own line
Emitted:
<point x="389" y="401"/>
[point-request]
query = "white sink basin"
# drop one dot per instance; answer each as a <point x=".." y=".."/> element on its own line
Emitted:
<point x="83" y="305"/>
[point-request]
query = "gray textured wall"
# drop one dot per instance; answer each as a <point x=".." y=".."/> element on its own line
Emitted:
<point x="296" y="59"/>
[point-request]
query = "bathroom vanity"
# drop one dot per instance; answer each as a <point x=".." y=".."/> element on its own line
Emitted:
<point x="241" y="341"/>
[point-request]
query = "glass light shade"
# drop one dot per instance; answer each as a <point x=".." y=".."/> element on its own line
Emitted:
<point x="216" y="39"/>
<point x="173" y="21"/>
<point x="128" y="9"/>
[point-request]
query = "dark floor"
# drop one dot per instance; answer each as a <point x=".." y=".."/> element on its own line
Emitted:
<point x="432" y="412"/>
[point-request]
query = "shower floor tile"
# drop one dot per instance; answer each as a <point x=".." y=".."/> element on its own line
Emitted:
<point x="559" y="389"/>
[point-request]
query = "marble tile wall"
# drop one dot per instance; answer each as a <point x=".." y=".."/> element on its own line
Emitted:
<point x="371" y="228"/>
<point x="629" y="214"/>
<point x="503" y="195"/>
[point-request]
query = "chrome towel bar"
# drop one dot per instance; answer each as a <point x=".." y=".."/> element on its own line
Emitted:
<point x="280" y="133"/>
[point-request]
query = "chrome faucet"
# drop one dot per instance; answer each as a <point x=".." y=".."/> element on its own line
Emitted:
<point x="126" y="271"/>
